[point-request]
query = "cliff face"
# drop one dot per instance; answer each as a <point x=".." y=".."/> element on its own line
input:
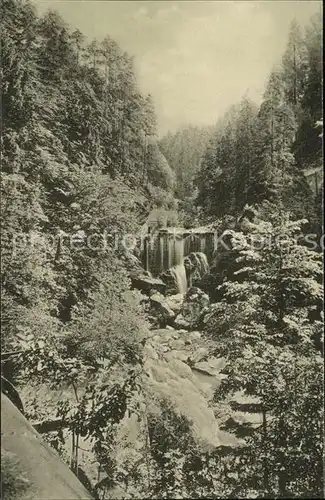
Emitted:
<point x="48" y="477"/>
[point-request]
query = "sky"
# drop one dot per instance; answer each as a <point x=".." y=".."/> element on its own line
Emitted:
<point x="196" y="58"/>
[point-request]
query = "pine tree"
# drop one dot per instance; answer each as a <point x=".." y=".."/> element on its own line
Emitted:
<point x="55" y="53"/>
<point x="307" y="146"/>
<point x="215" y="179"/>
<point x="245" y="154"/>
<point x="294" y="67"/>
<point x="70" y="124"/>
<point x="276" y="125"/>
<point x="18" y="77"/>
<point x="313" y="94"/>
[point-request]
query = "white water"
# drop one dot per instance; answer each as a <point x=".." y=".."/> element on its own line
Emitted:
<point x="202" y="244"/>
<point x="169" y="250"/>
<point x="161" y="244"/>
<point x="179" y="274"/>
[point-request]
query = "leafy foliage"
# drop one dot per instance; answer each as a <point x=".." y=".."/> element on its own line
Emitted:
<point x="264" y="327"/>
<point x="79" y="148"/>
<point x="76" y="160"/>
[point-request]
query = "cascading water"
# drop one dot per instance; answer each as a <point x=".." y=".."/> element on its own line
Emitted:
<point x="202" y="244"/>
<point x="179" y="274"/>
<point x="175" y="261"/>
<point x="165" y="252"/>
<point x="161" y="245"/>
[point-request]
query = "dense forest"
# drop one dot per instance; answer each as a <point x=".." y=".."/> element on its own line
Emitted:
<point x="184" y="151"/>
<point x="259" y="153"/>
<point x="82" y="166"/>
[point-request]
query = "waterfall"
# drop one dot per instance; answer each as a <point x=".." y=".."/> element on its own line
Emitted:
<point x="175" y="250"/>
<point x="202" y="244"/>
<point x="175" y="261"/>
<point x="167" y="248"/>
<point x="146" y="255"/>
<point x="179" y="250"/>
<point x="179" y="274"/>
<point x="178" y="271"/>
<point x="171" y="251"/>
<point x="161" y="250"/>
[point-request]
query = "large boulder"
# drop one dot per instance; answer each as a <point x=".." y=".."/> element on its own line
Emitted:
<point x="181" y="323"/>
<point x="160" y="310"/>
<point x="240" y="414"/>
<point x="189" y="266"/>
<point x="147" y="283"/>
<point x="175" y="302"/>
<point x="168" y="277"/>
<point x="46" y="476"/>
<point x="195" y="305"/>
<point x="209" y="284"/>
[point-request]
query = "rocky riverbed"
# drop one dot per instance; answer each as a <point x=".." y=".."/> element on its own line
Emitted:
<point x="179" y="366"/>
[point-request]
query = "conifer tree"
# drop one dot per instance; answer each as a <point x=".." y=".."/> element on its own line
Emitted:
<point x="294" y="67"/>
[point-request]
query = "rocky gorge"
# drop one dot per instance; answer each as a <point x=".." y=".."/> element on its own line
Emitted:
<point x="180" y="367"/>
<point x="161" y="283"/>
<point x="191" y="308"/>
<point x="180" y="363"/>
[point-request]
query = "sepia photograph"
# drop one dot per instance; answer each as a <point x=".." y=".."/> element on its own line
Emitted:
<point x="162" y="244"/>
